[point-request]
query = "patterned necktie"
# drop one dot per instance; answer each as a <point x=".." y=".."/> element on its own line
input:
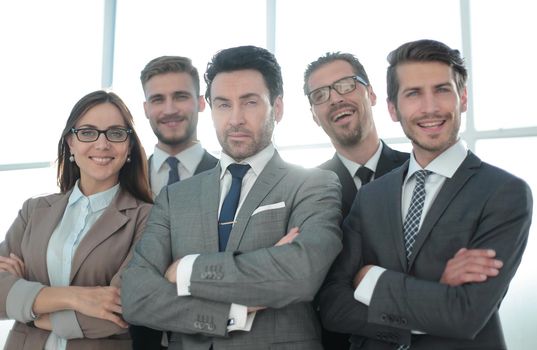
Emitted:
<point x="364" y="174"/>
<point x="230" y="204"/>
<point x="413" y="217"/>
<point x="173" y="175"/>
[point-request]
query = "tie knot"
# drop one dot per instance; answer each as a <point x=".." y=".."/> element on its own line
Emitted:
<point x="421" y="175"/>
<point x="172" y="162"/>
<point x="238" y="170"/>
<point x="364" y="174"/>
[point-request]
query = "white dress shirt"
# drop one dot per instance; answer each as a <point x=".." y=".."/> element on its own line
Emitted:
<point x="79" y="216"/>
<point x="189" y="160"/>
<point x="238" y="315"/>
<point x="352" y="166"/>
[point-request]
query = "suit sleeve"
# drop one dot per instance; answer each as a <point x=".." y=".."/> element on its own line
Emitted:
<point x="149" y="299"/>
<point x="462" y="311"/>
<point x="279" y="276"/>
<point x="98" y="328"/>
<point x="339" y="311"/>
<point x="12" y="244"/>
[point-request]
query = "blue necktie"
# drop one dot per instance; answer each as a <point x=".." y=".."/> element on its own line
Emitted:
<point x="173" y="175"/>
<point x="230" y="204"/>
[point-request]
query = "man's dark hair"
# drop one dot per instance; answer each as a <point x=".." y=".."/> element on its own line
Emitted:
<point x="424" y="50"/>
<point x="246" y="57"/>
<point x="330" y="57"/>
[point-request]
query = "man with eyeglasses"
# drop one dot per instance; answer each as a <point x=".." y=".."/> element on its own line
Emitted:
<point x="341" y="100"/>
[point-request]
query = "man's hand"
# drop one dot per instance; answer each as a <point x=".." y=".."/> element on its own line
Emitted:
<point x="171" y="272"/>
<point x="360" y="275"/>
<point x="289" y="237"/>
<point x="14" y="265"/>
<point x="471" y="265"/>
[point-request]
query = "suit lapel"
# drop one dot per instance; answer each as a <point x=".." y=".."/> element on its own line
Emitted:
<point x="445" y="196"/>
<point x="109" y="223"/>
<point x="45" y="220"/>
<point x="209" y="202"/>
<point x="273" y="172"/>
<point x="394" y="192"/>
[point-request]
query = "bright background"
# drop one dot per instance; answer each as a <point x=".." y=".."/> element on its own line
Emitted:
<point x="55" y="51"/>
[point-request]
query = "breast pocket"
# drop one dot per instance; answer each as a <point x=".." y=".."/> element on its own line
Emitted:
<point x="265" y="228"/>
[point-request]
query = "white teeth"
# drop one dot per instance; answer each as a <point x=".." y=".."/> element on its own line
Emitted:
<point x="431" y="124"/>
<point x="102" y="160"/>
<point x="342" y="114"/>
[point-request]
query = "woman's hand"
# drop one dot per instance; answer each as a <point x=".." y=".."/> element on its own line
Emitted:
<point x="100" y="302"/>
<point x="13" y="265"/>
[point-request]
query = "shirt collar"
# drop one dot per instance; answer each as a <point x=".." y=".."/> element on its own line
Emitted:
<point x="371" y="164"/>
<point x="189" y="158"/>
<point x="446" y="164"/>
<point x="257" y="162"/>
<point x="97" y="201"/>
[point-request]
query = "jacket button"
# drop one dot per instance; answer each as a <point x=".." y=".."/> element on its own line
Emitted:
<point x="384" y="317"/>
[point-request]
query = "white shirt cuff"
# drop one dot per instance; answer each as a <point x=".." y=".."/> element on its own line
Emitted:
<point x="364" y="292"/>
<point x="240" y="319"/>
<point x="184" y="271"/>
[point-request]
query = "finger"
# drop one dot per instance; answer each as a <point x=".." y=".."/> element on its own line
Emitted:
<point x="117" y="320"/>
<point x="15" y="257"/>
<point x="8" y="268"/>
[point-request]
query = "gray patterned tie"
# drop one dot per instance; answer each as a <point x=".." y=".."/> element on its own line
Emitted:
<point x="173" y="174"/>
<point x="364" y="174"/>
<point x="413" y="218"/>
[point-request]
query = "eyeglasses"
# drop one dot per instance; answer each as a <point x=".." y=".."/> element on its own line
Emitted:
<point x="342" y="86"/>
<point x="92" y="134"/>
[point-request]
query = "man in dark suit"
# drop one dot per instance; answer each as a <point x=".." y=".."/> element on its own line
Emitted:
<point x="171" y="87"/>
<point x="172" y="103"/>
<point x="234" y="274"/>
<point x="341" y="100"/>
<point x="429" y="249"/>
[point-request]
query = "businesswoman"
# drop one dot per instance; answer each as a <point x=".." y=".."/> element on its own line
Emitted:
<point x="61" y="260"/>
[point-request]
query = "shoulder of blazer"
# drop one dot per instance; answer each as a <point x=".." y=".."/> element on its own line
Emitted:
<point x="124" y="201"/>
<point x="208" y="161"/>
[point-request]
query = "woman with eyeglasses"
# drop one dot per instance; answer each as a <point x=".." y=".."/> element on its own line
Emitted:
<point x="61" y="260"/>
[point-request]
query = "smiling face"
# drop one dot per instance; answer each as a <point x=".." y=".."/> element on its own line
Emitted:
<point x="242" y="114"/>
<point x="429" y="107"/>
<point x="172" y="107"/>
<point x="347" y="119"/>
<point x="99" y="161"/>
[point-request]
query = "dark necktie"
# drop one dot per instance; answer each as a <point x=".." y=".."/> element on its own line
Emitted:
<point x="413" y="216"/>
<point x="364" y="174"/>
<point x="230" y="204"/>
<point x="173" y="175"/>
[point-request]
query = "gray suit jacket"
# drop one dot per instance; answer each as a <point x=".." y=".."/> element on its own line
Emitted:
<point x="481" y="206"/>
<point x="250" y="272"/>
<point x="98" y="261"/>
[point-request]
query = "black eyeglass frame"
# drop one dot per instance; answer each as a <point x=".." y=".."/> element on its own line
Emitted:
<point x="127" y="131"/>
<point x="357" y="78"/>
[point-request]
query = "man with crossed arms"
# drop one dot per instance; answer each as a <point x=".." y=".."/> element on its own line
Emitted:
<point x="220" y="279"/>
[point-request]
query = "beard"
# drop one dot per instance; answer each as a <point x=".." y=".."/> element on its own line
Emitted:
<point x="240" y="150"/>
<point x="177" y="139"/>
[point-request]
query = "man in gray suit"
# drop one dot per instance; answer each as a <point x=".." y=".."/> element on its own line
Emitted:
<point x="172" y="102"/>
<point x="238" y="282"/>
<point x="429" y="249"/>
<point x="341" y="100"/>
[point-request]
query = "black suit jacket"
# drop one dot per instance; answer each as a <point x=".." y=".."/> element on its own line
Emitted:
<point x="144" y="338"/>
<point x="481" y="206"/>
<point x="389" y="160"/>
